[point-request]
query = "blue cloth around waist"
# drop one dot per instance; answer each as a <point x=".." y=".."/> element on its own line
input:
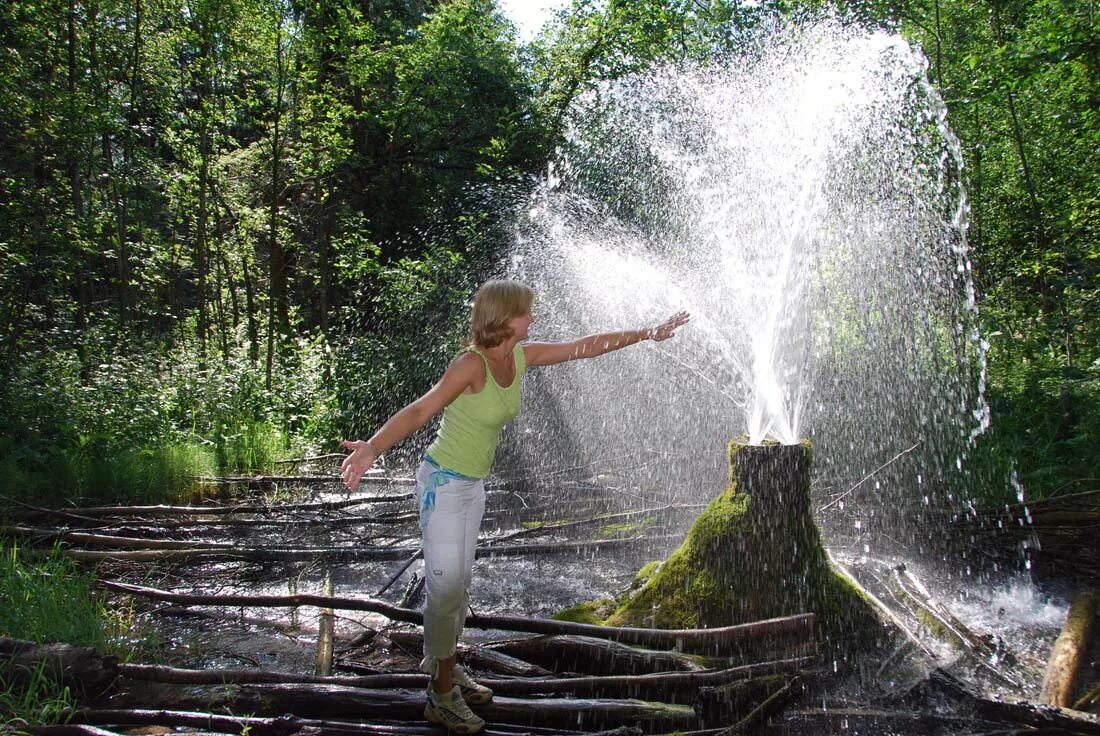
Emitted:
<point x="438" y="477"/>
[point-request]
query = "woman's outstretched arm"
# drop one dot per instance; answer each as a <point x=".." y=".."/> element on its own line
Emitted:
<point x="461" y="373"/>
<point x="551" y="353"/>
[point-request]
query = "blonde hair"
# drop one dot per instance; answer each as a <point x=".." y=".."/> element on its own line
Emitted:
<point x="495" y="304"/>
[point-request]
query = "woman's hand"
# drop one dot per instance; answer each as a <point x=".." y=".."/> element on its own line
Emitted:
<point x="668" y="328"/>
<point x="357" y="463"/>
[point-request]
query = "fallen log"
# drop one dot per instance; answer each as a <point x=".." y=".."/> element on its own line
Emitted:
<point x="579" y="654"/>
<point x="335" y="701"/>
<point x="1021" y="713"/>
<point x="169" y="510"/>
<point x="881" y="607"/>
<point x="71" y="730"/>
<point x="658" y="684"/>
<point x="208" y="552"/>
<point x="801" y="627"/>
<point x="212" y="676"/>
<point x="557" y="526"/>
<point x="80" y="668"/>
<point x="1060" y="679"/>
<point x="284" y="725"/>
<point x="653" y="684"/>
<point x="845" y="720"/>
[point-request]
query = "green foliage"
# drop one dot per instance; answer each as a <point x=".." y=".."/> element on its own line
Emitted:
<point x="426" y="302"/>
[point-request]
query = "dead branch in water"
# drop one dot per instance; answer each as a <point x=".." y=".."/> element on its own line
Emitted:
<point x="801" y="627"/>
<point x="286" y="725"/>
<point x="980" y="649"/>
<point x="212" y="552"/>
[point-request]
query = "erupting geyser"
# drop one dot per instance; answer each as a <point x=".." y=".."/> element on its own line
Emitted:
<point x="805" y="205"/>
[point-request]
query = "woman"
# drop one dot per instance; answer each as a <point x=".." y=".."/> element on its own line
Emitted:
<point x="478" y="394"/>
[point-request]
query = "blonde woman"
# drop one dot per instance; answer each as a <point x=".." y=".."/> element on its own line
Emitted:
<point x="478" y="394"/>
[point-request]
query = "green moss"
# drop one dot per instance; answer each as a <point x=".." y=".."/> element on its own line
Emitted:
<point x="646" y="572"/>
<point x="627" y="528"/>
<point x="589" y="612"/>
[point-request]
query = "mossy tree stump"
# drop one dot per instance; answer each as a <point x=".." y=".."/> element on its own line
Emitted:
<point x="754" y="553"/>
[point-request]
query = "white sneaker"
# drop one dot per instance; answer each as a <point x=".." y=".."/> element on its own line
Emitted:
<point x="450" y="710"/>
<point x="473" y="692"/>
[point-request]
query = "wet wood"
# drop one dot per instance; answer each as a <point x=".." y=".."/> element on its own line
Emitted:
<point x="80" y="668"/>
<point x="286" y="725"/>
<point x="99" y="512"/>
<point x="716" y="642"/>
<point x="557" y="526"/>
<point x="772" y="704"/>
<point x="1089" y="700"/>
<point x="323" y="665"/>
<point x="71" y="730"/>
<point x="881" y="607"/>
<point x="589" y="713"/>
<point x="209" y="552"/>
<point x="649" y="685"/>
<point x="589" y="654"/>
<point x="1060" y="680"/>
<point x="981" y="650"/>
<point x="1022" y="713"/>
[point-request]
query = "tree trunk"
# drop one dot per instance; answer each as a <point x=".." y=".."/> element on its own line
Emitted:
<point x="277" y="307"/>
<point x="1060" y="680"/>
<point x="77" y="667"/>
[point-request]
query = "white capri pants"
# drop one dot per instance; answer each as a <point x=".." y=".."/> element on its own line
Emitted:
<point x="451" y="506"/>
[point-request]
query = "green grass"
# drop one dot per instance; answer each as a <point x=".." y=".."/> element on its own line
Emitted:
<point x="91" y="472"/>
<point x="44" y="598"/>
<point x="37" y="701"/>
<point x="252" y="447"/>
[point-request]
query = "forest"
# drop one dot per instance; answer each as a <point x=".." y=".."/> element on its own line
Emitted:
<point x="234" y="232"/>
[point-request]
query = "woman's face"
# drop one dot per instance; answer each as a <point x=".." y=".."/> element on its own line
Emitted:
<point x="520" y="325"/>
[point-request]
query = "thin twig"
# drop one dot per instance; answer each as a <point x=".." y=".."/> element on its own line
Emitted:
<point x="865" y="478"/>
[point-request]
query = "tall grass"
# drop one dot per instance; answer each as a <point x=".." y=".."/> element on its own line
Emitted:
<point x="46" y="598"/>
<point x="37" y="700"/>
<point x="93" y="471"/>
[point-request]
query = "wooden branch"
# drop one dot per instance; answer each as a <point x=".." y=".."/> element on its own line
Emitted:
<point x="166" y="510"/>
<point x="560" y="525"/>
<point x="335" y="701"/>
<point x="212" y="676"/>
<point x="867" y="477"/>
<point x="206" y="552"/>
<point x="1089" y="699"/>
<point x="1021" y="712"/>
<point x="1060" y="680"/>
<point x="982" y="652"/>
<point x="771" y="705"/>
<point x="67" y="730"/>
<point x="709" y="641"/>
<point x="880" y="606"/>
<point x="655" y="684"/>
<point x="589" y="654"/>
<point x="286" y="725"/>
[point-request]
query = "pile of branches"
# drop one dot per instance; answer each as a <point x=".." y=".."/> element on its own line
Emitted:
<point x="1056" y="535"/>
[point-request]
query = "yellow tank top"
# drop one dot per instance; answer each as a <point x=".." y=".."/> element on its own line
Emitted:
<point x="470" y="430"/>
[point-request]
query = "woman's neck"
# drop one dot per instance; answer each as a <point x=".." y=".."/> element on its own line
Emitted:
<point x="501" y="352"/>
